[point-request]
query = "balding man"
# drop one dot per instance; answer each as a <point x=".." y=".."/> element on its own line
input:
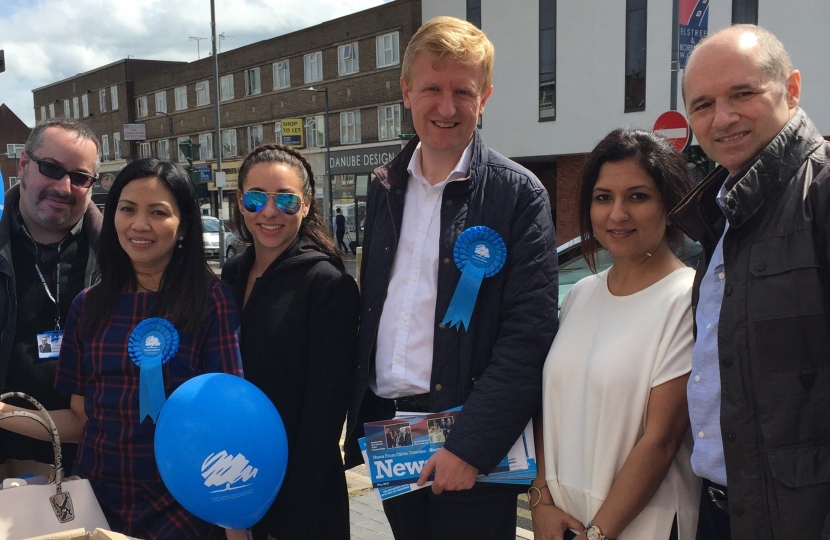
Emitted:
<point x="48" y="234"/>
<point x="759" y="391"/>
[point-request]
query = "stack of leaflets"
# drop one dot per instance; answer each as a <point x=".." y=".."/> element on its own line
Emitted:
<point x="396" y="450"/>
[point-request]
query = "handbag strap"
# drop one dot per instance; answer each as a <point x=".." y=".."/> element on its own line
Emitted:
<point x="48" y="425"/>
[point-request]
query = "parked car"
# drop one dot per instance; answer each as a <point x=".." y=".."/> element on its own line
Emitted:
<point x="573" y="267"/>
<point x="211" y="226"/>
<point x="234" y="244"/>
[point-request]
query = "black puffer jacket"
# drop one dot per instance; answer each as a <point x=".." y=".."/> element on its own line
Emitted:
<point x="774" y="332"/>
<point x="495" y="367"/>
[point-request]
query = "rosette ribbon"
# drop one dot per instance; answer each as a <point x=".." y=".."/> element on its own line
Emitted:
<point x="152" y="344"/>
<point x="479" y="253"/>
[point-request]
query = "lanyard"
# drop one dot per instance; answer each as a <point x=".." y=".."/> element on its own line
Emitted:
<point x="56" y="299"/>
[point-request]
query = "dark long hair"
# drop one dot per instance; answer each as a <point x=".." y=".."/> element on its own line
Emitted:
<point x="182" y="297"/>
<point x="312" y="227"/>
<point x="663" y="163"/>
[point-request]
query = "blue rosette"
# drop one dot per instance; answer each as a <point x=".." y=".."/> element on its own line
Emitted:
<point x="153" y="342"/>
<point x="480" y="252"/>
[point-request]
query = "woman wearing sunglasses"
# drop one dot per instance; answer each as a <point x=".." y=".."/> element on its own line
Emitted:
<point x="299" y="313"/>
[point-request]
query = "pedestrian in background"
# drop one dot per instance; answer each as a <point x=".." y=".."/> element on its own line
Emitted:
<point x="340" y="230"/>
<point x="613" y="439"/>
<point x="293" y="288"/>
<point x="758" y="397"/>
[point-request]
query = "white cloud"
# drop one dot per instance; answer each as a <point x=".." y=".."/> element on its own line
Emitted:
<point x="50" y="40"/>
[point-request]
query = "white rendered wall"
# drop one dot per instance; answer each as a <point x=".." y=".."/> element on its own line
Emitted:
<point x="591" y="62"/>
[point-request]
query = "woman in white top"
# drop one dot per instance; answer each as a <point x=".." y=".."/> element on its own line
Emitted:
<point x="613" y="439"/>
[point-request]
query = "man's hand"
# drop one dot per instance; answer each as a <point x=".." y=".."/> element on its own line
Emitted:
<point x="451" y="472"/>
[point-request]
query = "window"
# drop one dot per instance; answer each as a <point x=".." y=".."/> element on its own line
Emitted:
<point x="144" y="150"/>
<point x="14" y="151"/>
<point x="206" y="146"/>
<point x="76" y="108"/>
<point x="313" y="67"/>
<point x="388" y="53"/>
<point x="744" y="11"/>
<point x="51" y="110"/>
<point x="282" y="75"/>
<point x="181" y="140"/>
<point x="202" y="93"/>
<point x="43" y="112"/>
<point x="116" y="145"/>
<point x="229" y="143"/>
<point x="226" y="88"/>
<point x="350" y="127"/>
<point x="114" y="97"/>
<point x="105" y="148"/>
<point x="347" y="60"/>
<point x="102" y="100"/>
<point x="389" y="122"/>
<point x="180" y="98"/>
<point x="163" y="149"/>
<point x="315" y="132"/>
<point x="161" y="102"/>
<point x="141" y="107"/>
<point x="635" y="55"/>
<point x="67" y="112"/>
<point x="474" y="12"/>
<point x="255" y="137"/>
<point x="278" y="132"/>
<point x="252" y="82"/>
<point x="85" y="104"/>
<point x="547" y="59"/>
<point x="13" y="180"/>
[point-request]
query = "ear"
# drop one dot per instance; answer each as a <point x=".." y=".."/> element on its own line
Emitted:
<point x="405" y="91"/>
<point x="21" y="164"/>
<point x="485" y="97"/>
<point x="793" y="89"/>
<point x="239" y="200"/>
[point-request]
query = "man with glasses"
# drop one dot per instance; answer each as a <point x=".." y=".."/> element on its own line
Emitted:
<point x="48" y="234"/>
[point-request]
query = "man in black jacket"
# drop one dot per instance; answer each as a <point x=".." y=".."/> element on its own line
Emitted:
<point x="442" y="185"/>
<point x="48" y="234"/>
<point x="759" y="397"/>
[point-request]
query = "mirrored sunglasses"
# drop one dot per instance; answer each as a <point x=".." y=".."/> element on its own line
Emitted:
<point x="56" y="172"/>
<point x="288" y="203"/>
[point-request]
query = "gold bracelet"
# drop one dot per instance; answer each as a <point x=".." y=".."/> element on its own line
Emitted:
<point x="539" y="492"/>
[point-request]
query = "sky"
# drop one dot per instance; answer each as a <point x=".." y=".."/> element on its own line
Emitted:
<point x="46" y="41"/>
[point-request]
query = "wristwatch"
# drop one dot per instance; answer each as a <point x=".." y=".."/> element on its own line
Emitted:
<point x="595" y="533"/>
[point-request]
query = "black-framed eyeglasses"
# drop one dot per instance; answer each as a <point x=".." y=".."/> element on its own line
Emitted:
<point x="56" y="172"/>
<point x="288" y="203"/>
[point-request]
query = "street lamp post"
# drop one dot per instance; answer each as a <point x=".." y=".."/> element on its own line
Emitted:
<point x="325" y="91"/>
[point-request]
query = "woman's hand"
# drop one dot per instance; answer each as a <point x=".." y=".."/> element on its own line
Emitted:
<point x="550" y="523"/>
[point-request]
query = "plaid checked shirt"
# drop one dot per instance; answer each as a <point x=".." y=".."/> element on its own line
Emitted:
<point x="116" y="450"/>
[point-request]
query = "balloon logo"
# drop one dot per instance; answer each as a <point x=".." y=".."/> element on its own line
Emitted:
<point x="221" y="449"/>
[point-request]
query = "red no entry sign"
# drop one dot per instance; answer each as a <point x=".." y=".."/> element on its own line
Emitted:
<point x="673" y="126"/>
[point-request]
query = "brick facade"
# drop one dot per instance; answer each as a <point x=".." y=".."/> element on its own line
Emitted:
<point x="12" y="131"/>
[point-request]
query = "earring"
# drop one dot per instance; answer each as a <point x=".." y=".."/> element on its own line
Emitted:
<point x="179" y="243"/>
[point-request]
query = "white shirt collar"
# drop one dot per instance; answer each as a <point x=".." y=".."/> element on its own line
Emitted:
<point x="460" y="172"/>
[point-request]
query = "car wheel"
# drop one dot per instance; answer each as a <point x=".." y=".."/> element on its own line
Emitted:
<point x="231" y="252"/>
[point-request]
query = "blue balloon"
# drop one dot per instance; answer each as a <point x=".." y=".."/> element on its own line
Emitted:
<point x="221" y="449"/>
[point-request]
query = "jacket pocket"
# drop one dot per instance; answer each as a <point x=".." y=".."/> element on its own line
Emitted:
<point x="789" y="306"/>
<point x="800" y="497"/>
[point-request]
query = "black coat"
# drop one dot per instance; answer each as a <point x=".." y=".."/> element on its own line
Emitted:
<point x="298" y="342"/>
<point x="495" y="367"/>
<point x="774" y="329"/>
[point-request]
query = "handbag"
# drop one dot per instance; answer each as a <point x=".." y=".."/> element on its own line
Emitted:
<point x="28" y="509"/>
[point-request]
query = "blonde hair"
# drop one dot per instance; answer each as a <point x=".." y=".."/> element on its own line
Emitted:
<point x="447" y="38"/>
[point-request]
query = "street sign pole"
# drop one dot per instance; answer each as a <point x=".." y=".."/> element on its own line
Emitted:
<point x="218" y="144"/>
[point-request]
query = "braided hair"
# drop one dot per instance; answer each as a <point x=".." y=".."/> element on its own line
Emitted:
<point x="312" y="227"/>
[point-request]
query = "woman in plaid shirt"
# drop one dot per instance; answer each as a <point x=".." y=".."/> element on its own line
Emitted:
<point x="152" y="263"/>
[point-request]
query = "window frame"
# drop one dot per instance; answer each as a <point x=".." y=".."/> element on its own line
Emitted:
<point x="67" y="110"/>
<point x="51" y="110"/>
<point x="348" y="59"/>
<point x="205" y="146"/>
<point x="105" y="147"/>
<point x="203" y="91"/>
<point x="384" y="125"/>
<point x="166" y="144"/>
<point x="277" y="76"/>
<point x="85" y="105"/>
<point x="114" y="97"/>
<point x="180" y="98"/>
<point x="314" y="137"/>
<point x="180" y="140"/>
<point x="251" y="129"/>
<point x="116" y="145"/>
<point x="102" y="100"/>
<point x="226" y="87"/>
<point x="141" y="107"/>
<point x="351" y="128"/>
<point x="76" y="108"/>
<point x="161" y="99"/>
<point x="145" y="150"/>
<point x="229" y="135"/>
<point x="251" y="75"/>
<point x="313" y="61"/>
<point x="395" y="49"/>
